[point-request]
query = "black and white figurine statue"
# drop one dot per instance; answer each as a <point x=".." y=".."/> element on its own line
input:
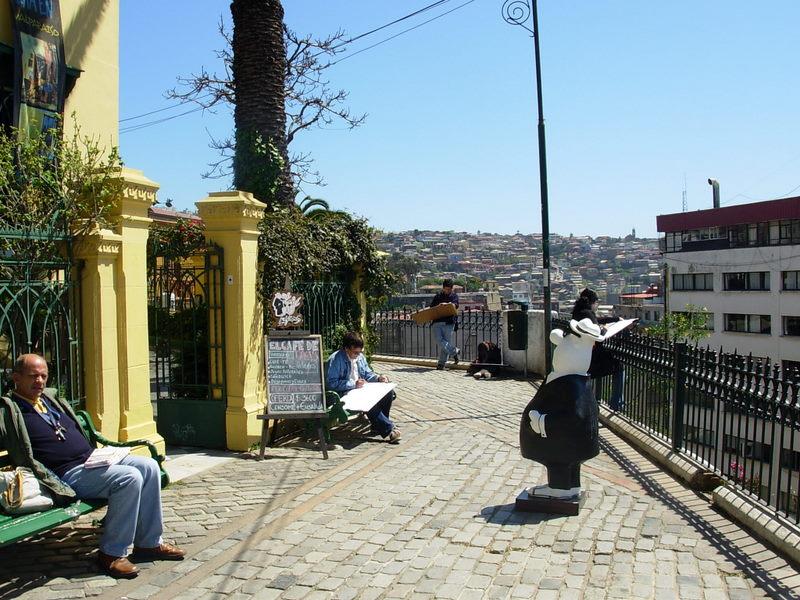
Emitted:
<point x="559" y="426"/>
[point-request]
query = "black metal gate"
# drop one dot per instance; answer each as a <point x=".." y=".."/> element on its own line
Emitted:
<point x="323" y="309"/>
<point x="40" y="308"/>
<point x="187" y="348"/>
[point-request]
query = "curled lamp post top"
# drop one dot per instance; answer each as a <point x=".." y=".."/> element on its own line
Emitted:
<point x="517" y="12"/>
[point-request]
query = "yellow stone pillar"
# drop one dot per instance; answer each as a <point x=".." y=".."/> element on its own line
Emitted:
<point x="231" y="220"/>
<point x="136" y="411"/>
<point x="100" y="251"/>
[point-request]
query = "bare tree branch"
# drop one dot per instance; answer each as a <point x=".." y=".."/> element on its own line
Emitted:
<point x="310" y="102"/>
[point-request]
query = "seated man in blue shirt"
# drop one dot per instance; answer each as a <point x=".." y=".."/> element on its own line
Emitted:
<point x="42" y="433"/>
<point x="348" y="370"/>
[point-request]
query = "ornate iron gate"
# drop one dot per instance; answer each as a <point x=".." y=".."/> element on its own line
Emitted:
<point x="323" y="303"/>
<point x="40" y="308"/>
<point x="187" y="348"/>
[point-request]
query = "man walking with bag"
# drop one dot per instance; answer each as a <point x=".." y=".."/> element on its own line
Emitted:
<point x="443" y="327"/>
<point x="42" y="433"/>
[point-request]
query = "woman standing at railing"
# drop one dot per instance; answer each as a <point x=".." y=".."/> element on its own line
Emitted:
<point x="603" y="361"/>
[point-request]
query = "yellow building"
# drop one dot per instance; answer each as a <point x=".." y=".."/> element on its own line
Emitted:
<point x="91" y="46"/>
<point x="113" y="356"/>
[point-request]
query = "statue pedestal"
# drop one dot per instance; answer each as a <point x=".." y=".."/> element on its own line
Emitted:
<point x="556" y="506"/>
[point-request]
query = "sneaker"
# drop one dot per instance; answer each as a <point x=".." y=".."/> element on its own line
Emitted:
<point x="456" y="355"/>
<point x="440" y="367"/>
<point x="393" y="437"/>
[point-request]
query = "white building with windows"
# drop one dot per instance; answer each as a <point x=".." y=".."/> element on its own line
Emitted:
<point x="742" y="263"/>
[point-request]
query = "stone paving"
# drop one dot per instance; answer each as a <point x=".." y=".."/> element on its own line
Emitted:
<point x="431" y="517"/>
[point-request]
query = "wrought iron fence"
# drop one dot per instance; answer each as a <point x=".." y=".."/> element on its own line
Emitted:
<point x="738" y="416"/>
<point x="39" y="312"/>
<point x="399" y="335"/>
<point x="323" y="309"/>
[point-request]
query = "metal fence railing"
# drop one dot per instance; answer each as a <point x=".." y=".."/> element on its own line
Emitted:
<point x="399" y="335"/>
<point x="736" y="415"/>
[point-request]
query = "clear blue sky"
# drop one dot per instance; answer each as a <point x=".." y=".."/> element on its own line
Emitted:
<point x="637" y="95"/>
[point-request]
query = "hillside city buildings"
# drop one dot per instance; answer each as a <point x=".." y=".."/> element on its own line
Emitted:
<point x="511" y="264"/>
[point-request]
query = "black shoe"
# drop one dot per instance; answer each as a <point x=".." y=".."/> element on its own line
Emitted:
<point x="456" y="355"/>
<point x="440" y="367"/>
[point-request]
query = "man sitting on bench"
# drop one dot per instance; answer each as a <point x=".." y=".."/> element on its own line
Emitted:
<point x="29" y="419"/>
<point x="348" y="370"/>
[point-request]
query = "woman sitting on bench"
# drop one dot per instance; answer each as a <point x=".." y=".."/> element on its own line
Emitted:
<point x="348" y="370"/>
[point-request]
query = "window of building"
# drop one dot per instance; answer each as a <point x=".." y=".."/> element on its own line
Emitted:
<point x="747" y="448"/>
<point x="790" y="459"/>
<point x="672" y="242"/>
<point x="791" y="280"/>
<point x="789" y="231"/>
<point x="737" y="235"/>
<point x="753" y="281"/>
<point x="709" y="321"/>
<point x="791" y="325"/>
<point x="758" y="234"/>
<point x="747" y="323"/>
<point x="685" y="282"/>
<point x="791" y="368"/>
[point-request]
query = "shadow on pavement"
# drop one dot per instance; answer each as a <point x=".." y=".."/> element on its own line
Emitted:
<point x="505" y="514"/>
<point x="773" y="586"/>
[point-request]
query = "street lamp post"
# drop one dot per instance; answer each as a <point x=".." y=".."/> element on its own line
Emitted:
<point x="517" y="12"/>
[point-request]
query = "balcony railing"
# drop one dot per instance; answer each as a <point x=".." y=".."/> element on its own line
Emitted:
<point x="399" y="335"/>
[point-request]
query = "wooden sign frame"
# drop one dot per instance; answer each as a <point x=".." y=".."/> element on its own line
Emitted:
<point x="319" y="415"/>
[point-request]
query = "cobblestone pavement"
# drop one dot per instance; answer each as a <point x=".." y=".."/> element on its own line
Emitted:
<point x="431" y="517"/>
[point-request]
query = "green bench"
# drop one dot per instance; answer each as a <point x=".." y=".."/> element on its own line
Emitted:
<point x="16" y="527"/>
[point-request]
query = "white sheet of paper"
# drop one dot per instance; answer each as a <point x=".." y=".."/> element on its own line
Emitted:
<point x="366" y="397"/>
<point x="615" y="328"/>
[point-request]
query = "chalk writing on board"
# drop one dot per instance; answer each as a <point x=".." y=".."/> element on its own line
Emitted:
<point x="294" y="375"/>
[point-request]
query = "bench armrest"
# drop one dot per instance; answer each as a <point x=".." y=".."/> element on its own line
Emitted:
<point x="85" y="420"/>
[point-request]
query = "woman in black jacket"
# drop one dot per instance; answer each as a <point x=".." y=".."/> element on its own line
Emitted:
<point x="603" y="362"/>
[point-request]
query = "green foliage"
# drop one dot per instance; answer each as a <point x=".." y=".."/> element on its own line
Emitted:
<point x="53" y="187"/>
<point x="404" y="270"/>
<point x="258" y="166"/>
<point x="689" y="325"/>
<point x="176" y="242"/>
<point x="319" y="249"/>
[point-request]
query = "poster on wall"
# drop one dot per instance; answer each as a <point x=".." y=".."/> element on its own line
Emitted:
<point x="40" y="67"/>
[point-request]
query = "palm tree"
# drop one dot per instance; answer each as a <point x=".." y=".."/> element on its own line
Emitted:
<point x="260" y="163"/>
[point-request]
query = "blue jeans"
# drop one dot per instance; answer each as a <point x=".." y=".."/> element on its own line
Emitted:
<point x="615" y="401"/>
<point x="378" y="415"/>
<point x="443" y="334"/>
<point x="133" y="490"/>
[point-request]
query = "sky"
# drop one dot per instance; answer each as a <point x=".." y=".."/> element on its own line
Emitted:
<point x="642" y="100"/>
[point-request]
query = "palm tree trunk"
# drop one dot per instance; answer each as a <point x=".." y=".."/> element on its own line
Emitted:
<point x="259" y="68"/>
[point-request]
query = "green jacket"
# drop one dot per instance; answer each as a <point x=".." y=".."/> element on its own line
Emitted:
<point x="14" y="438"/>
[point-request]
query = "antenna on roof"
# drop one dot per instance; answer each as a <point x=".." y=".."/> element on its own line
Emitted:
<point x="685" y="204"/>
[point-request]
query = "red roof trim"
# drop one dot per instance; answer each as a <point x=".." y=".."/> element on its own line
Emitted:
<point x="755" y="212"/>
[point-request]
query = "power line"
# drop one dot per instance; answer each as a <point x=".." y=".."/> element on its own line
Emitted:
<point x="157" y="121"/>
<point x="158" y="110"/>
<point x="401" y="33"/>
<point x="344" y="43"/>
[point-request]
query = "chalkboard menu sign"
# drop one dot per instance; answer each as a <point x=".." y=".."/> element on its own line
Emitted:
<point x="294" y="376"/>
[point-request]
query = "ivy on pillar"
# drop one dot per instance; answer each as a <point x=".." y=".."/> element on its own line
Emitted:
<point x="231" y="220"/>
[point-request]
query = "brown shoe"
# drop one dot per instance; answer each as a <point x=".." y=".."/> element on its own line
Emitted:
<point x="163" y="551"/>
<point x="117" y="566"/>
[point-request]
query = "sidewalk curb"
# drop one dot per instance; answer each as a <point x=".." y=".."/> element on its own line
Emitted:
<point x="782" y="537"/>
<point x="759" y="521"/>
<point x="419" y="362"/>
